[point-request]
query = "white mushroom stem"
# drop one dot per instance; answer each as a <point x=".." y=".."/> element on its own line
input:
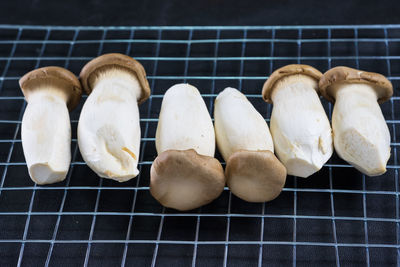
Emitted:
<point x="46" y="135"/>
<point x="361" y="135"/>
<point x="300" y="128"/>
<point x="238" y="125"/>
<point x="184" y="122"/>
<point x="109" y="126"/>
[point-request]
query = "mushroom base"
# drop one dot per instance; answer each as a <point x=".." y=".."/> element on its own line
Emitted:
<point x="255" y="176"/>
<point x="301" y="167"/>
<point x="185" y="180"/>
<point x="43" y="173"/>
<point x="365" y="156"/>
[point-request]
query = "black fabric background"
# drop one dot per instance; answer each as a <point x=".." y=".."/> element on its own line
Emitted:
<point x="207" y="12"/>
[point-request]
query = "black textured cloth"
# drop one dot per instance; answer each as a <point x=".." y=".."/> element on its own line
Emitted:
<point x="208" y="12"/>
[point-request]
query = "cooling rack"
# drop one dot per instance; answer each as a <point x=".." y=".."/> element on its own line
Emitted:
<point x="336" y="217"/>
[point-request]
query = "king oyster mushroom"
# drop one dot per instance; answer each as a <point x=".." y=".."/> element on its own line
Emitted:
<point x="252" y="171"/>
<point x="361" y="135"/>
<point x="109" y="125"/>
<point x="300" y="128"/>
<point x="46" y="127"/>
<point x="185" y="175"/>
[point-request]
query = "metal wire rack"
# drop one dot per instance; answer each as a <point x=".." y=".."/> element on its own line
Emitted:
<point x="336" y="217"/>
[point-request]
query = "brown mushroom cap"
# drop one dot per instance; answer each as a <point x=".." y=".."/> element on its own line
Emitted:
<point x="56" y="77"/>
<point x="284" y="72"/>
<point x="185" y="180"/>
<point x="114" y="60"/>
<point x="255" y="176"/>
<point x="345" y="75"/>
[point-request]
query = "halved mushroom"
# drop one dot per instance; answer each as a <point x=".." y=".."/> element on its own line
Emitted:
<point x="361" y="135"/>
<point x="299" y="125"/>
<point x="252" y="171"/>
<point x="109" y="124"/>
<point x="185" y="175"/>
<point x="46" y="127"/>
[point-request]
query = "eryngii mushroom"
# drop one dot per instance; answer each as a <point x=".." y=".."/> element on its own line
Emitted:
<point x="46" y="127"/>
<point x="300" y="128"/>
<point x="109" y="124"/>
<point x="185" y="175"/>
<point x="361" y="135"/>
<point x="252" y="171"/>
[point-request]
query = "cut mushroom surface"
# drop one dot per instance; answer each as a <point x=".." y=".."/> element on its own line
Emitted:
<point x="185" y="175"/>
<point x="46" y="127"/>
<point x="252" y="171"/>
<point x="299" y="125"/>
<point x="361" y="135"/>
<point x="109" y="124"/>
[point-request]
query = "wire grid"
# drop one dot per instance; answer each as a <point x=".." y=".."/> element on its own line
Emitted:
<point x="335" y="217"/>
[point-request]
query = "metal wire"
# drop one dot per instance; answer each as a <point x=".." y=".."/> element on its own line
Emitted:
<point x="227" y="58"/>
